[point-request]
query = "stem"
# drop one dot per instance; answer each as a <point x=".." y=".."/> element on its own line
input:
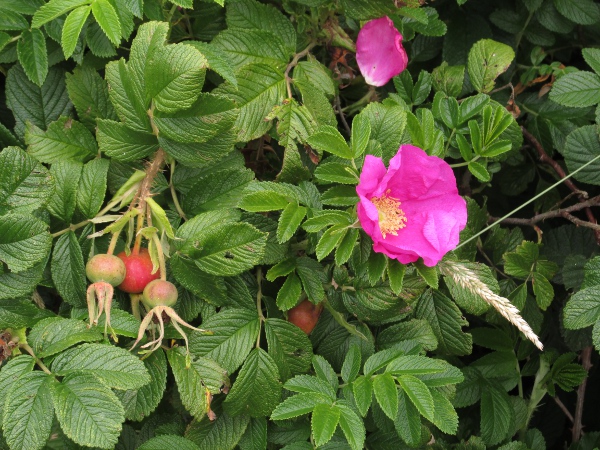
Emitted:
<point x="106" y="209"/>
<point x="113" y="243"/>
<point x="138" y="236"/>
<point x="340" y="319"/>
<point x="338" y="107"/>
<point x="537" y="394"/>
<point x="135" y="305"/>
<point x="586" y="362"/>
<point x="564" y="409"/>
<point x="466" y="163"/>
<point x="38" y="361"/>
<point x="520" y="34"/>
<point x="294" y="63"/>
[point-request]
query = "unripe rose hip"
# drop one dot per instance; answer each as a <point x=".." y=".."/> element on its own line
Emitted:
<point x="159" y="293"/>
<point x="106" y="268"/>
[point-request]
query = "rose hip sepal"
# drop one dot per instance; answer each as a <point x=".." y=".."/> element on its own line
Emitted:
<point x="159" y="296"/>
<point x="379" y="52"/>
<point x="139" y="271"/>
<point x="104" y="271"/>
<point x="412" y="209"/>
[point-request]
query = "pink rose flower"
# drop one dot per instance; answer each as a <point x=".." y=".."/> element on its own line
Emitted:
<point x="412" y="209"/>
<point x="379" y="52"/>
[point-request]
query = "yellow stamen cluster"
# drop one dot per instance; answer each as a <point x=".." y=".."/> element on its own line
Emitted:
<point x="391" y="217"/>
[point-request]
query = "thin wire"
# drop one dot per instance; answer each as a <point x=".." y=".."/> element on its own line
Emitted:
<point x="527" y="203"/>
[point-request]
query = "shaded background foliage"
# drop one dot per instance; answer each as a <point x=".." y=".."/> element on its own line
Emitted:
<point x="249" y="121"/>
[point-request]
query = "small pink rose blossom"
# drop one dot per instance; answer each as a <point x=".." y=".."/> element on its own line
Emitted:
<point x="379" y="52"/>
<point x="412" y="209"/>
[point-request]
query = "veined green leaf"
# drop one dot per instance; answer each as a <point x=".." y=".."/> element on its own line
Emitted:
<point x="55" y="334"/>
<point x="72" y="28"/>
<point x="33" y="56"/>
<point x="64" y="139"/>
<point x="54" y="9"/>
<point x="24" y="242"/>
<point x="107" y="18"/>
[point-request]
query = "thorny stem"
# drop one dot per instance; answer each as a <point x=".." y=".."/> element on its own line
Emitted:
<point x="38" y="361"/>
<point x="586" y="362"/>
<point x="294" y="63"/>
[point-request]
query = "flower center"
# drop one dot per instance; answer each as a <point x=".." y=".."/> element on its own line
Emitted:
<point x="391" y="217"/>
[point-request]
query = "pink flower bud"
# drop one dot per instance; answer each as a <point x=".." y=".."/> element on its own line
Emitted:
<point x="412" y="209"/>
<point x="379" y="52"/>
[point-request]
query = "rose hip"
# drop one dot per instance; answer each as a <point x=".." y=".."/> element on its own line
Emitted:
<point x="106" y="268"/>
<point x="305" y="315"/>
<point x="159" y="293"/>
<point x="139" y="271"/>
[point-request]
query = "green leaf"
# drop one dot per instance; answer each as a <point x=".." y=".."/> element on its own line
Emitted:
<point x="72" y="29"/>
<point x="205" y="286"/>
<point x="89" y="93"/>
<point x="330" y="140"/>
<point x="208" y="117"/>
<point x="89" y="413"/>
<point x="252" y="15"/>
<point x="313" y="276"/>
<point x="330" y="240"/>
<point x="107" y="18"/>
<point x="445" y="417"/>
<point x="289" y="347"/>
<point x="24" y="242"/>
<point x="415" y="365"/>
<point x="168" y="441"/>
<point x="222" y="434"/>
<point x="361" y="132"/>
<point x="289" y="221"/>
<point x="580" y="147"/>
<point x="298" y="405"/>
<point x="415" y="330"/>
<point x="352" y="427"/>
<point x="582" y="309"/>
<point x="39" y="105"/>
<point x="68" y="270"/>
<point x="346" y="246"/>
<point x="352" y="364"/>
<point x="174" y="77"/>
<point x="257" y="389"/>
<point x="289" y="293"/>
<point x="230" y="249"/>
<point x="54" y="9"/>
<point x="387" y="126"/>
<point x="28" y="406"/>
<point x="584" y="12"/>
<point x="260" y="88"/>
<point x="66" y="174"/>
<point x="127" y="96"/>
<point x="487" y="60"/>
<point x="309" y="383"/>
<point x="257" y="46"/>
<point x="55" y="334"/>
<point x="578" y="89"/>
<point x="592" y="58"/>
<point x="234" y="334"/>
<point x="335" y="172"/>
<point x="92" y="187"/>
<point x="193" y="382"/>
<point x="386" y="394"/>
<point x="33" y="55"/>
<point x="119" y="141"/>
<point x="340" y="196"/>
<point x="324" y="421"/>
<point x="64" y="139"/>
<point x="496" y="414"/>
<point x="115" y="366"/>
<point x="429" y="274"/>
<point x="362" y="388"/>
<point x="419" y="395"/>
<point x="480" y="171"/>
<point x="25" y="184"/>
<point x="446" y="321"/>
<point x="16" y="285"/>
<point x="408" y="420"/>
<point x="448" y="79"/>
<point x="216" y="60"/>
<point x="11" y="371"/>
<point x="255" y="437"/>
<point x="10" y="20"/>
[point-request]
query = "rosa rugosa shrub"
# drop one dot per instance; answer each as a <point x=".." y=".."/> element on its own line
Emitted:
<point x="364" y="224"/>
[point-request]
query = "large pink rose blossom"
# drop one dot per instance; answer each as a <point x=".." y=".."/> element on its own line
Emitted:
<point x="379" y="52"/>
<point x="412" y="209"/>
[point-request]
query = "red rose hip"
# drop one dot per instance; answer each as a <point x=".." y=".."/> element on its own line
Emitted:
<point x="305" y="315"/>
<point x="139" y="271"/>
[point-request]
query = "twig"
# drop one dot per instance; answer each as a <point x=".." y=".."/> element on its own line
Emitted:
<point x="586" y="362"/>
<point x="294" y="63"/>
<point x="564" y="212"/>
<point x="561" y="173"/>
<point x="338" y="107"/>
<point x="564" y="409"/>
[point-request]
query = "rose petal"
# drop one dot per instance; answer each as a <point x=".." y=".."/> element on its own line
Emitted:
<point x="379" y="52"/>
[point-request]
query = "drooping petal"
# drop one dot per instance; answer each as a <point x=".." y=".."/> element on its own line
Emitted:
<point x="379" y="52"/>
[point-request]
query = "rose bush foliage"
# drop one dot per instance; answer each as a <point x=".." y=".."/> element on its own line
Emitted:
<point x="419" y="180"/>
